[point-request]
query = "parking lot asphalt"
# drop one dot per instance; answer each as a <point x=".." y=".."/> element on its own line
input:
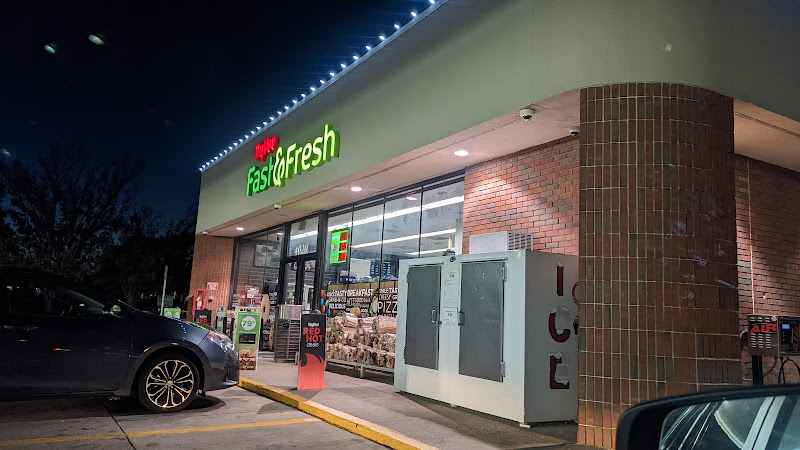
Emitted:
<point x="232" y="418"/>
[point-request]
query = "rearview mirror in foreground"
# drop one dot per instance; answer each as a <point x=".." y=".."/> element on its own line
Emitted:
<point x="760" y="417"/>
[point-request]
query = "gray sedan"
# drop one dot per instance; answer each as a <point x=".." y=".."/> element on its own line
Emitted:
<point x="59" y="339"/>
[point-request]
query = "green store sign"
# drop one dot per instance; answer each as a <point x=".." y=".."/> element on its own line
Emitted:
<point x="339" y="241"/>
<point x="174" y="313"/>
<point x="281" y="165"/>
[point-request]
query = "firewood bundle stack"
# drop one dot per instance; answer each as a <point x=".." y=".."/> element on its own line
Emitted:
<point x="367" y="340"/>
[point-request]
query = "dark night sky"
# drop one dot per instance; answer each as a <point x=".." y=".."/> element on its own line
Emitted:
<point x="176" y="81"/>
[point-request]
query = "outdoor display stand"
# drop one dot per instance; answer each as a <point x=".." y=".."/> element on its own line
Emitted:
<point x="248" y="330"/>
<point x="286" y="340"/>
<point x="491" y="332"/>
<point x="311" y="367"/>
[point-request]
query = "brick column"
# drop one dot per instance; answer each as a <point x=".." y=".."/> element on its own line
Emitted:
<point x="657" y="247"/>
<point x="212" y="261"/>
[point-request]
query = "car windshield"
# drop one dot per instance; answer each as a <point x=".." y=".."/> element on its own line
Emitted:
<point x="762" y="422"/>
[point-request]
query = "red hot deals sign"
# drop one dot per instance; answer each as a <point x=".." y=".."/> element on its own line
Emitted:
<point x="282" y="164"/>
<point x="311" y="368"/>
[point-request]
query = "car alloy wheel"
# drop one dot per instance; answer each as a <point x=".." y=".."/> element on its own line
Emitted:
<point x="169" y="384"/>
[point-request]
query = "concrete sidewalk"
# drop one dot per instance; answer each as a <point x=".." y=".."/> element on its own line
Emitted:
<point x="373" y="403"/>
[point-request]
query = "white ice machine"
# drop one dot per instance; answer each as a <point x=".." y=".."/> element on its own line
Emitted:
<point x="492" y="332"/>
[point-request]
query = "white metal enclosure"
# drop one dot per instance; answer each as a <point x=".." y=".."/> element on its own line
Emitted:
<point x="491" y="332"/>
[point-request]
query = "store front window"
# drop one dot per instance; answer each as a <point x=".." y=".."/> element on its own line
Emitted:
<point x="442" y="212"/>
<point x="257" y="269"/>
<point x="360" y="262"/>
<point x="303" y="237"/>
<point x="367" y="243"/>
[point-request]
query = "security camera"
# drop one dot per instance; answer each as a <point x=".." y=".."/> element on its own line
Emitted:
<point x="574" y="131"/>
<point x="526" y="113"/>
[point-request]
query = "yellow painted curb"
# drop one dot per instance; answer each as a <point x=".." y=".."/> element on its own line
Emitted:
<point x="355" y="425"/>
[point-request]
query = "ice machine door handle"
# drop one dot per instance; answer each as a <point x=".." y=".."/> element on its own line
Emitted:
<point x="434" y="317"/>
<point x="461" y="318"/>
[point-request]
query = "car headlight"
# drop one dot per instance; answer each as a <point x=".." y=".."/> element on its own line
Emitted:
<point x="222" y="340"/>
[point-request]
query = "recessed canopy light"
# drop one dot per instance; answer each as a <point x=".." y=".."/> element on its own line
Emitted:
<point x="343" y="65"/>
<point x="286" y="107"/>
<point x="265" y="122"/>
<point x="294" y="100"/>
<point x="355" y="189"/>
<point x="368" y="48"/>
<point x="239" y="228"/>
<point x="413" y="14"/>
<point x="50" y="48"/>
<point x="271" y="117"/>
<point x="461" y="153"/>
<point x="381" y="37"/>
<point x="411" y="198"/>
<point x="312" y="88"/>
<point x="332" y="74"/>
<point x="396" y="26"/>
<point x="303" y="95"/>
<point x="96" y="40"/>
<point x="355" y="56"/>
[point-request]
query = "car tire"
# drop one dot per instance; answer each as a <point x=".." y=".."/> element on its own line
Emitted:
<point x="168" y="383"/>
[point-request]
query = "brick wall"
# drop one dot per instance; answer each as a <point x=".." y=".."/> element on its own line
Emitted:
<point x="658" y="301"/>
<point x="533" y="191"/>
<point x="213" y="261"/>
<point x="768" y="228"/>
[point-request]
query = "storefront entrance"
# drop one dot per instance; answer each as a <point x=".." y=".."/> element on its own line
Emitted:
<point x="300" y="275"/>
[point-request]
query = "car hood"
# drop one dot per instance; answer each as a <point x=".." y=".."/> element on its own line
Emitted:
<point x="149" y="329"/>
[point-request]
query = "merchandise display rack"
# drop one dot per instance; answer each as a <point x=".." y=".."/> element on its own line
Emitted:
<point x="287" y="339"/>
<point x="358" y="366"/>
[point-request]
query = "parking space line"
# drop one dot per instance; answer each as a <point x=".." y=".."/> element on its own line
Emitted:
<point x="92" y="437"/>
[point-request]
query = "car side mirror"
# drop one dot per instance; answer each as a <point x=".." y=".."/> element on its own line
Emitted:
<point x="745" y="417"/>
<point x="113" y="310"/>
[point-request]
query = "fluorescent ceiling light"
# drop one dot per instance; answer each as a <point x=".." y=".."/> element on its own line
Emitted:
<point x="406" y="238"/>
<point x="427" y="252"/>
<point x="398" y="213"/>
<point x="303" y="235"/>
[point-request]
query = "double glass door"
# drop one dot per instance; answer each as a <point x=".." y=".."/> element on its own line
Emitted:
<point x="300" y="276"/>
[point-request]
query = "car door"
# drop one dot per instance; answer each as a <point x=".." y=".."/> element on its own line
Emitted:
<point x="62" y="340"/>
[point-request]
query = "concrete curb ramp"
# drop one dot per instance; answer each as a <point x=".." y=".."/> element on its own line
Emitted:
<point x="361" y="427"/>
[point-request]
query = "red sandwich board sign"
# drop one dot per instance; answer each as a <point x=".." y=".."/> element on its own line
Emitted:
<point x="311" y="368"/>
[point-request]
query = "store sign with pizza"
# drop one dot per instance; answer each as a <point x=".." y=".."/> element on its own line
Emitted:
<point x="282" y="164"/>
<point x="372" y="299"/>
